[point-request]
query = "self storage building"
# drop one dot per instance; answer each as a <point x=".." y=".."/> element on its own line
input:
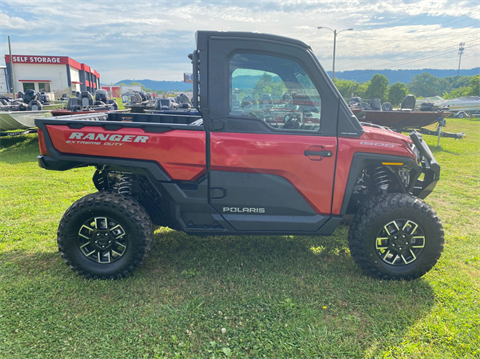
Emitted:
<point x="50" y="74"/>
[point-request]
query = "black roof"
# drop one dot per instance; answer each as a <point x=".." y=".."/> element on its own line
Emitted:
<point x="202" y="36"/>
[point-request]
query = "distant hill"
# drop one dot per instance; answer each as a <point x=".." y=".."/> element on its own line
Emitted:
<point x="161" y="85"/>
<point x="404" y="76"/>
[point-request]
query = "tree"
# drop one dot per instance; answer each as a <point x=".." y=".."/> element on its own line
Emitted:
<point x="361" y="89"/>
<point x="346" y="87"/>
<point x="377" y="88"/>
<point x="396" y="93"/>
<point x="138" y="84"/>
<point x="474" y="85"/>
<point x="425" y="85"/>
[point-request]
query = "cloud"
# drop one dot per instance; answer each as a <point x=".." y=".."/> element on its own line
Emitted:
<point x="10" y="23"/>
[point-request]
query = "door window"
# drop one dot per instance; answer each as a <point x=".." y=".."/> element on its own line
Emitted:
<point x="275" y="90"/>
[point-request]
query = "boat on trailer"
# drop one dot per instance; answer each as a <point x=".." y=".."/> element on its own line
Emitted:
<point x="84" y="103"/>
<point x="466" y="104"/>
<point x="20" y="120"/>
<point x="404" y="119"/>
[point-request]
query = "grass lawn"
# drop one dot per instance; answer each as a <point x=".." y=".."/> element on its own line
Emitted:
<point x="242" y="297"/>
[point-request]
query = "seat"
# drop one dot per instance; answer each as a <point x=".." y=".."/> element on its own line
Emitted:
<point x="375" y="104"/>
<point x="34" y="105"/>
<point x="365" y="106"/>
<point x="408" y="103"/>
<point x="86" y="99"/>
<point x="387" y="106"/>
<point x="74" y="104"/>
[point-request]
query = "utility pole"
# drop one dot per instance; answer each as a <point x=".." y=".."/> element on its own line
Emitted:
<point x="335" y="33"/>
<point x="460" y="52"/>
<point x="12" y="77"/>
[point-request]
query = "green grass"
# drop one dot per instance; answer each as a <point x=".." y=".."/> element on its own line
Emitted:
<point x="276" y="296"/>
<point x="120" y="104"/>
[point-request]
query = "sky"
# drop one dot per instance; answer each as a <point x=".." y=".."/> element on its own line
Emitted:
<point x="151" y="39"/>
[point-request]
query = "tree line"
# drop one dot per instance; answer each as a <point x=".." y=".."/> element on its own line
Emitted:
<point x="423" y="85"/>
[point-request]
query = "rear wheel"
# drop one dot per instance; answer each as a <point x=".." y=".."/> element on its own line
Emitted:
<point x="397" y="236"/>
<point x="105" y="235"/>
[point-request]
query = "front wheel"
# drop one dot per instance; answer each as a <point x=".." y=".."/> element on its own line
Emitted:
<point x="397" y="236"/>
<point x="105" y="235"/>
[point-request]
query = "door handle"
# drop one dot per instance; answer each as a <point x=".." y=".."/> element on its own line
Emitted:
<point x="319" y="153"/>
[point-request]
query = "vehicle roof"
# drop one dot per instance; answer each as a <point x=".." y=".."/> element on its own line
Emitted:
<point x="202" y="36"/>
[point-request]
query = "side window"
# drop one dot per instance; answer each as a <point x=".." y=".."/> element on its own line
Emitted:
<point x="28" y="86"/>
<point x="44" y="86"/>
<point x="275" y="90"/>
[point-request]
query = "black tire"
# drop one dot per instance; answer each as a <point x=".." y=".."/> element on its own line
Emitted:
<point x="105" y="235"/>
<point x="396" y="236"/>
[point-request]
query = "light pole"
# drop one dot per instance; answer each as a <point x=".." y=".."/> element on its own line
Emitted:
<point x="335" y="33"/>
<point x="460" y="52"/>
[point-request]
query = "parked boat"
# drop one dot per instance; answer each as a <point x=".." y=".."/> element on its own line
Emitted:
<point x="404" y="119"/>
<point x="65" y="112"/>
<point x="85" y="104"/>
<point x="467" y="104"/>
<point x="20" y="120"/>
<point x="400" y="119"/>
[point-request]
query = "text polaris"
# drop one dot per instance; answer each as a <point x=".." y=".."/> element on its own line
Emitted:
<point x="107" y="137"/>
<point x="243" y="210"/>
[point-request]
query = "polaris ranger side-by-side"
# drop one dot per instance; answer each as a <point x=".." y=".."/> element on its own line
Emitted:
<point x="274" y="150"/>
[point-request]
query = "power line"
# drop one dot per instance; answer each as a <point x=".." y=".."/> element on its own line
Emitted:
<point x="414" y="59"/>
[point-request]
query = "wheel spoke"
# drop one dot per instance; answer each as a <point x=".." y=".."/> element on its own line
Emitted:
<point x="121" y="245"/>
<point x="98" y="257"/>
<point x="89" y="254"/>
<point x="413" y="255"/>
<point x="86" y="244"/>
<point x="116" y="253"/>
<point x="396" y="225"/>
<point x="405" y="225"/>
<point x="83" y="236"/>
<point x="388" y="224"/>
<point x="98" y="222"/>
<point x="386" y="229"/>
<point x="87" y="230"/>
<point x="421" y="245"/>
<point x="385" y="256"/>
<point x="414" y="228"/>
<point x="118" y="229"/>
<point x="379" y="243"/>
<point x="395" y="259"/>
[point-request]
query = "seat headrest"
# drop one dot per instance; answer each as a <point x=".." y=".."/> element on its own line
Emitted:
<point x="408" y="102"/>
<point x="387" y="106"/>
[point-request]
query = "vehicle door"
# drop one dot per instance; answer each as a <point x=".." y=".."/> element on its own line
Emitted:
<point x="272" y="136"/>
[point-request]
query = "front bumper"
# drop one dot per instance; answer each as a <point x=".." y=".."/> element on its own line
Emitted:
<point x="431" y="168"/>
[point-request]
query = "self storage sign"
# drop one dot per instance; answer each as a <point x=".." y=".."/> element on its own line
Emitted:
<point x="38" y="59"/>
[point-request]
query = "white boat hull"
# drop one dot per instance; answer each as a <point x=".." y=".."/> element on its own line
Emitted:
<point x="20" y="120"/>
<point x="467" y="104"/>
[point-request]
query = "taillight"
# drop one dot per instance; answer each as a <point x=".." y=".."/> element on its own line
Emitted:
<point x="41" y="144"/>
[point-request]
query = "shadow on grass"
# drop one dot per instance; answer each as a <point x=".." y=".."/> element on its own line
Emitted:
<point x="269" y="288"/>
<point x="6" y="142"/>
<point x="19" y="149"/>
<point x="440" y="149"/>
